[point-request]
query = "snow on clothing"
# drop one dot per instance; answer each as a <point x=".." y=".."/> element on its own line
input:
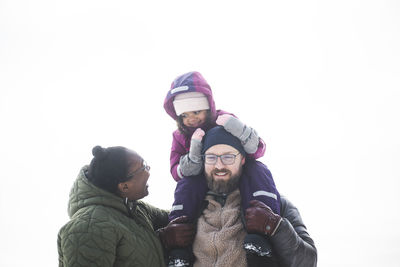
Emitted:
<point x="190" y="191"/>
<point x="104" y="232"/>
<point x="220" y="236"/>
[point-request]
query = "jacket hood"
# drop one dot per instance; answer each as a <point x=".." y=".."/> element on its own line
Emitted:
<point x="84" y="194"/>
<point x="188" y="82"/>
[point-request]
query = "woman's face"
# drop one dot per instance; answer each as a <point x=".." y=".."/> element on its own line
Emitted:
<point x="136" y="187"/>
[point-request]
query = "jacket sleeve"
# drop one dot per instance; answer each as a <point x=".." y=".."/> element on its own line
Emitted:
<point x="292" y="243"/>
<point x="83" y="247"/>
<point x="177" y="150"/>
<point x="158" y="217"/>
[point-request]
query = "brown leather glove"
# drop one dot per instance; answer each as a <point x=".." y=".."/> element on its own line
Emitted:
<point x="261" y="219"/>
<point x="177" y="233"/>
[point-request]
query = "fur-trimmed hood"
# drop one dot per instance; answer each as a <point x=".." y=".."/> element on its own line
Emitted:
<point x="185" y="83"/>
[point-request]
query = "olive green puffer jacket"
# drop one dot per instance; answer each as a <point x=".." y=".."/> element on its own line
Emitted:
<point x="104" y="232"/>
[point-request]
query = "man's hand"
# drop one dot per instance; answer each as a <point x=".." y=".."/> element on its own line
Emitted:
<point x="261" y="219"/>
<point x="178" y="233"/>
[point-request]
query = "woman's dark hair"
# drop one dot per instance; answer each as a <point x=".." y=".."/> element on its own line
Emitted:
<point x="108" y="168"/>
<point x="184" y="129"/>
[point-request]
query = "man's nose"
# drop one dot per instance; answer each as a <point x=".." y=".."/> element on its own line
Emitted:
<point x="219" y="163"/>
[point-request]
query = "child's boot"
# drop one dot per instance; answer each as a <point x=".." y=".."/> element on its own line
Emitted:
<point x="180" y="257"/>
<point x="257" y="244"/>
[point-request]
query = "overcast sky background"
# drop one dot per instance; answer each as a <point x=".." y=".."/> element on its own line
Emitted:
<point x="318" y="80"/>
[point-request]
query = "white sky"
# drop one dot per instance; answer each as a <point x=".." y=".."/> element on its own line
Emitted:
<point x="318" y="80"/>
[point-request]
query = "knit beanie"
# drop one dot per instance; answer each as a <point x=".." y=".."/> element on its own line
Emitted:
<point x="190" y="101"/>
<point x="218" y="135"/>
<point x="108" y="167"/>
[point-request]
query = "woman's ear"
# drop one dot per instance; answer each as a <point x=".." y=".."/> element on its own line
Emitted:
<point x="123" y="188"/>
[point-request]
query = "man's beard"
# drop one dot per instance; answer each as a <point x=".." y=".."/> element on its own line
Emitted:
<point x="223" y="186"/>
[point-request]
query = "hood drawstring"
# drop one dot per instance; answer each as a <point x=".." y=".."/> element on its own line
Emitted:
<point x="130" y="206"/>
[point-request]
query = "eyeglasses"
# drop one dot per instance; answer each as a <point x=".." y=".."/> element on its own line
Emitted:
<point x="144" y="167"/>
<point x="227" y="159"/>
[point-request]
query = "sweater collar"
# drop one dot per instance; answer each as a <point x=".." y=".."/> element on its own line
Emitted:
<point x="219" y="197"/>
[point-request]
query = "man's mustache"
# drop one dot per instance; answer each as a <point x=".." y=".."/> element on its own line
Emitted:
<point x="220" y="170"/>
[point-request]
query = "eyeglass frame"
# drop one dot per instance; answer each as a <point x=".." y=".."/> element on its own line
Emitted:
<point x="144" y="167"/>
<point x="221" y="158"/>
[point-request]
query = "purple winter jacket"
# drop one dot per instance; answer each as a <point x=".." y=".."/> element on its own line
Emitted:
<point x="193" y="82"/>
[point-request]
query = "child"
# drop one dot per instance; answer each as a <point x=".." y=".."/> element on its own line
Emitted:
<point x="190" y="103"/>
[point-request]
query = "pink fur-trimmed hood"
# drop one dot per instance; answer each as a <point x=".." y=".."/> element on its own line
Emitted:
<point x="188" y="82"/>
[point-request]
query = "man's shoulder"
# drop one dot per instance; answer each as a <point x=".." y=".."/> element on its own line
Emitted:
<point x="287" y="207"/>
<point x="291" y="213"/>
<point x="284" y="200"/>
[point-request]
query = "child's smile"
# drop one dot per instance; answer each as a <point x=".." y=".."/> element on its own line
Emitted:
<point x="194" y="118"/>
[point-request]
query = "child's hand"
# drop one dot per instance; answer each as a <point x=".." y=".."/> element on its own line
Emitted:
<point x="198" y="134"/>
<point x="246" y="135"/>
<point x="192" y="163"/>
<point x="223" y="119"/>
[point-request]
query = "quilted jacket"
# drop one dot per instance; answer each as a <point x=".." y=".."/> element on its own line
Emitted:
<point x="104" y="232"/>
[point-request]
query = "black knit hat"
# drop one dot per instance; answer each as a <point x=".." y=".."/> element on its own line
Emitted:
<point x="218" y="135"/>
<point x="108" y="168"/>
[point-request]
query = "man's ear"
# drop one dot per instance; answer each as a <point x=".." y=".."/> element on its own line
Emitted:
<point x="243" y="160"/>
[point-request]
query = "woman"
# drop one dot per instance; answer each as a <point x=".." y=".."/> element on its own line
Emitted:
<point x="109" y="226"/>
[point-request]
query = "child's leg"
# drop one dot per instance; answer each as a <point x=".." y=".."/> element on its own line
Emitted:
<point x="189" y="197"/>
<point x="257" y="260"/>
<point x="257" y="183"/>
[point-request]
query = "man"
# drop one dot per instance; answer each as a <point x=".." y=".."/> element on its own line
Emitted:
<point x="220" y="229"/>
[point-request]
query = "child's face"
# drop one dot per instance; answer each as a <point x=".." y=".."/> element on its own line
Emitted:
<point x="194" y="118"/>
